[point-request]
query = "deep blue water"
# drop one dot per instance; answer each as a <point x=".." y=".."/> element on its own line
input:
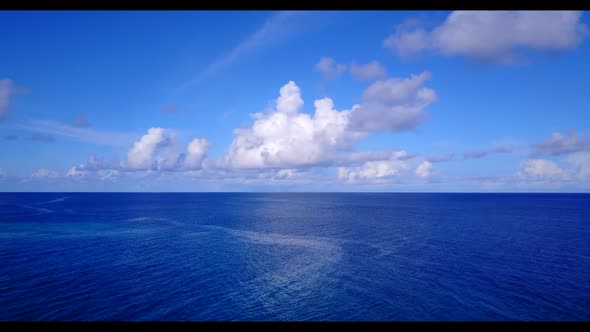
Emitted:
<point x="294" y="256"/>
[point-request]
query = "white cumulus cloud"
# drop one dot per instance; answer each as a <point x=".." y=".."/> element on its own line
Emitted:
<point x="372" y="170"/>
<point x="286" y="142"/>
<point x="423" y="170"/>
<point x="141" y="155"/>
<point x="157" y="150"/>
<point x="540" y="169"/>
<point x="196" y="152"/>
<point x="75" y="172"/>
<point x="289" y="100"/>
<point x="85" y="173"/>
<point x="573" y="169"/>
<point x="286" y="138"/>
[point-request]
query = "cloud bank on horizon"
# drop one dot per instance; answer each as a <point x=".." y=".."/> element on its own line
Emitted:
<point x="378" y="141"/>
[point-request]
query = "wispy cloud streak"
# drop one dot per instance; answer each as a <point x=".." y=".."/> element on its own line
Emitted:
<point x="88" y="135"/>
<point x="273" y="28"/>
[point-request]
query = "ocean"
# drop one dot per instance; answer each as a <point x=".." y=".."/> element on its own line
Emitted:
<point x="294" y="257"/>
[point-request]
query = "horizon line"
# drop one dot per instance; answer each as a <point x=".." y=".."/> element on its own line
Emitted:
<point x="291" y="192"/>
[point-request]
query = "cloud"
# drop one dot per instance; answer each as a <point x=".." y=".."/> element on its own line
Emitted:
<point x="156" y="150"/>
<point x="357" y="158"/>
<point x="423" y="170"/>
<point x="196" y="153"/>
<point x="82" y="173"/>
<point x="441" y="158"/>
<point x="75" y="172"/>
<point x="477" y="154"/>
<point x="10" y="137"/>
<point x="492" y="36"/>
<point x="88" y="135"/>
<point x="93" y="163"/>
<point x="289" y="100"/>
<point x="2" y="174"/>
<point x="539" y="169"/>
<point x="275" y="27"/>
<point x="573" y="169"/>
<point x="560" y="144"/>
<point x="285" y="174"/>
<point x="408" y="40"/>
<point x="252" y="179"/>
<point x="580" y="161"/>
<point x="7" y="91"/>
<point x="39" y="137"/>
<point x="173" y="109"/>
<point x="395" y="104"/>
<point x="372" y="171"/>
<point x="141" y="155"/>
<point x="286" y="138"/>
<point x="329" y="68"/>
<point x="368" y="72"/>
<point x="282" y="143"/>
<point x="109" y="175"/>
<point x="80" y="121"/>
<point x="267" y="33"/>
<point x="97" y="169"/>
<point x="42" y="174"/>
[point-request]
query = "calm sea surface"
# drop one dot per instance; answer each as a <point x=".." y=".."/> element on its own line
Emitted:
<point x="222" y="256"/>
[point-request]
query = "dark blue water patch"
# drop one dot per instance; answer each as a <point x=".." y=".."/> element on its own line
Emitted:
<point x="221" y="256"/>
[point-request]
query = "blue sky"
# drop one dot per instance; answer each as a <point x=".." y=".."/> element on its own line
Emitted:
<point x="295" y="101"/>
